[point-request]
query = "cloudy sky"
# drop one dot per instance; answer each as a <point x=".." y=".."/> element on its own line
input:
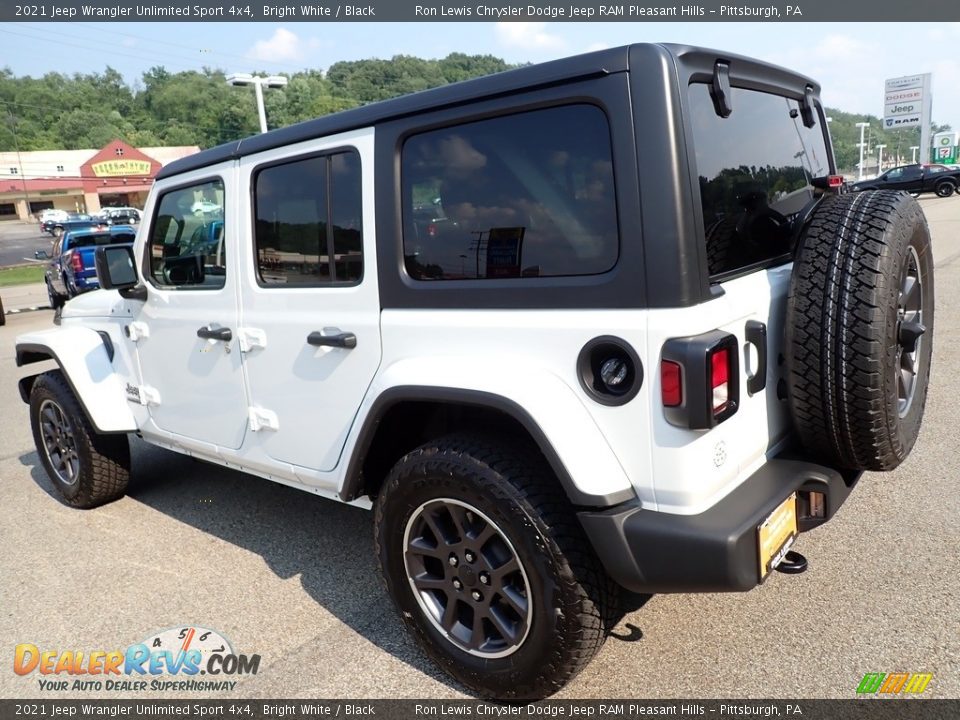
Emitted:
<point x="851" y="60"/>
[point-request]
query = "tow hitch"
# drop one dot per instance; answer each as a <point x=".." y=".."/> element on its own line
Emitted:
<point x="793" y="563"/>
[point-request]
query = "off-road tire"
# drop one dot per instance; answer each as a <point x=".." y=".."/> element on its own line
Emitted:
<point x="945" y="189"/>
<point x="103" y="460"/>
<point x="572" y="596"/>
<point x="843" y="333"/>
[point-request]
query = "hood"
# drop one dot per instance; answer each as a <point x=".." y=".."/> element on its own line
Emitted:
<point x="97" y="303"/>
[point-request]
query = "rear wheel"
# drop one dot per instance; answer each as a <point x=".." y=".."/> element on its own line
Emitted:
<point x="860" y="329"/>
<point x="946" y="189"/>
<point x="489" y="567"/>
<point x="87" y="469"/>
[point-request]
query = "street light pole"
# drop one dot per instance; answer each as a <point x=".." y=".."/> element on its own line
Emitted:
<point x="880" y="159"/>
<point x="862" y="126"/>
<point x="913" y="149"/>
<point x="258" y="82"/>
<point x="23" y="177"/>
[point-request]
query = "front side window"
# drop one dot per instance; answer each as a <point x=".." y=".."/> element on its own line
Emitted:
<point x="755" y="169"/>
<point x="187" y="238"/>
<point x="520" y="196"/>
<point x="308" y="221"/>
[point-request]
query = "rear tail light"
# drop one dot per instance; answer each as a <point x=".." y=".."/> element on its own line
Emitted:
<point x="671" y="384"/>
<point x="720" y="379"/>
<point x="699" y="379"/>
<point x="76" y="262"/>
<point x="432" y="230"/>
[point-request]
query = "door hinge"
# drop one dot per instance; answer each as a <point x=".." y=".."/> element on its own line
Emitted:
<point x="251" y="338"/>
<point x="143" y="394"/>
<point x="261" y="419"/>
<point x="137" y="330"/>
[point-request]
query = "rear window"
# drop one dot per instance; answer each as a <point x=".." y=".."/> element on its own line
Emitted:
<point x="103" y="239"/>
<point x="518" y="196"/>
<point x="754" y="169"/>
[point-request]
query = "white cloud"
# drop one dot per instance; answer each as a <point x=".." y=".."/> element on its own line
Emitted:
<point x="282" y="45"/>
<point x="596" y="46"/>
<point x="528" y="36"/>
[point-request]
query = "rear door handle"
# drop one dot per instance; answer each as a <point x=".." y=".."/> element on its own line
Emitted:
<point x="346" y="340"/>
<point x="756" y="335"/>
<point x="208" y="333"/>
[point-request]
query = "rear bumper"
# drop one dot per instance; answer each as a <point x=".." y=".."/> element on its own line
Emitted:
<point x="717" y="550"/>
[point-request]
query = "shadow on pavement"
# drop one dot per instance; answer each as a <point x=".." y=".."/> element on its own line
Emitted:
<point x="329" y="545"/>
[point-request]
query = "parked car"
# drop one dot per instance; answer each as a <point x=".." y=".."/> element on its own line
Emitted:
<point x="72" y="268"/>
<point x="202" y="207"/>
<point x="915" y="179"/>
<point x="51" y="214"/>
<point x="120" y="215"/>
<point x="74" y="221"/>
<point x="635" y="351"/>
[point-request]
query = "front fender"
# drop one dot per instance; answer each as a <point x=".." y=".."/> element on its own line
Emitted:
<point x="85" y="359"/>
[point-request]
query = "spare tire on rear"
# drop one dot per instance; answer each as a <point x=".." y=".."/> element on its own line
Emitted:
<point x="859" y="329"/>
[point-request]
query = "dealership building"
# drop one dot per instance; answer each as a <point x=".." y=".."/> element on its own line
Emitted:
<point x="116" y="175"/>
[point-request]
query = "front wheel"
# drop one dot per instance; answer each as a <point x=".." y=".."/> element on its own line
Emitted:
<point x="56" y="299"/>
<point x="87" y="468"/>
<point x="489" y="568"/>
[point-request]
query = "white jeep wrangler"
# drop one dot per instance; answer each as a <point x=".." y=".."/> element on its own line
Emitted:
<point x="607" y="322"/>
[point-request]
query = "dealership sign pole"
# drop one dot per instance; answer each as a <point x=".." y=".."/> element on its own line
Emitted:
<point x="907" y="103"/>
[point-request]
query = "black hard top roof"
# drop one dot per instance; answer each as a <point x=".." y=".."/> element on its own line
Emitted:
<point x="602" y="62"/>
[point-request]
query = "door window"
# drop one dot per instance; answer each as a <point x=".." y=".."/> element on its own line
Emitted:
<point x="309" y="221"/>
<point x="186" y="244"/>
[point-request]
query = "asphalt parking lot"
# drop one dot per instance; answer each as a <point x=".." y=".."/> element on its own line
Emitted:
<point x="292" y="577"/>
<point x="18" y="242"/>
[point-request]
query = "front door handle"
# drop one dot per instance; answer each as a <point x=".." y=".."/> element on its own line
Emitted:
<point x="345" y="340"/>
<point x="208" y="333"/>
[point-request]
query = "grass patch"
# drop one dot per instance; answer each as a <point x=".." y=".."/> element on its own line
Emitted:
<point x="21" y="275"/>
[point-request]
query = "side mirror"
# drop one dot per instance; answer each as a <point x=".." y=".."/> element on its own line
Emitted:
<point x="116" y="268"/>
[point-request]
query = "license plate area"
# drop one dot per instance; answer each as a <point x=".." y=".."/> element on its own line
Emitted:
<point x="776" y="534"/>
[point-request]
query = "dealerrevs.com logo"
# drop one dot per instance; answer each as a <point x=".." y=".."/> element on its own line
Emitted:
<point x="188" y="658"/>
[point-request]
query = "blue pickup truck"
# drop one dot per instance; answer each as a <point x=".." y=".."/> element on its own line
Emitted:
<point x="72" y="268"/>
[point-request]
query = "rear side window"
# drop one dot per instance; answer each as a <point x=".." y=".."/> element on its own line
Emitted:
<point x="308" y="229"/>
<point x="754" y="169"/>
<point x="519" y="196"/>
<point x="186" y="240"/>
